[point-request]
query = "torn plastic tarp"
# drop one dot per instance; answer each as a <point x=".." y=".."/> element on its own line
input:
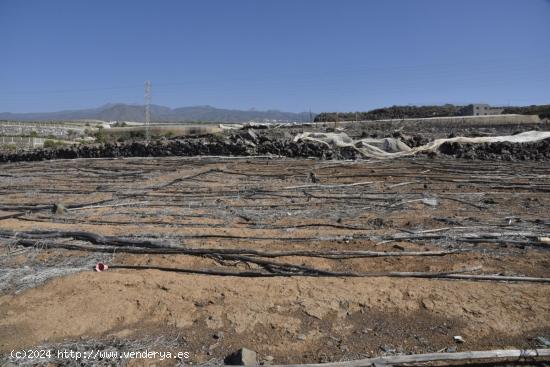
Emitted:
<point x="249" y="125"/>
<point x="394" y="148"/>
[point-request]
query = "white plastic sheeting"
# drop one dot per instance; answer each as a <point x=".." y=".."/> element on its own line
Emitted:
<point x="249" y="125"/>
<point x="394" y="148"/>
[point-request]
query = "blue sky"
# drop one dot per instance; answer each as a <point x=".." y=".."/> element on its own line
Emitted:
<point x="293" y="55"/>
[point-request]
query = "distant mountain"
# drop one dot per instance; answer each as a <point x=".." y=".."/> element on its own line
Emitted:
<point x="125" y="112"/>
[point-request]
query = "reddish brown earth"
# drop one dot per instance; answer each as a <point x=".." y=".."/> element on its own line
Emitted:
<point x="254" y="204"/>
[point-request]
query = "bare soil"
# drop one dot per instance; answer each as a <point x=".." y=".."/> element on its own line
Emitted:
<point x="253" y="203"/>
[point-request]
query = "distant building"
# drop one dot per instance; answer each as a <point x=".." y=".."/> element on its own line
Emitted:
<point x="481" y="110"/>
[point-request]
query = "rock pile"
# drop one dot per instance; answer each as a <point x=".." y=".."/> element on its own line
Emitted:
<point x="248" y="143"/>
<point x="239" y="144"/>
<point x="505" y="151"/>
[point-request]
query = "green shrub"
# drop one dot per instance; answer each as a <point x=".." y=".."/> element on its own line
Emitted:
<point x="138" y="134"/>
<point x="50" y="144"/>
<point x="100" y="136"/>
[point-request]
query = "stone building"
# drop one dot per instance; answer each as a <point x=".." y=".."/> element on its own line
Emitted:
<point x="481" y="110"/>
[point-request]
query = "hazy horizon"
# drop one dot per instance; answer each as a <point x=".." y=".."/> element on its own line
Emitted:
<point x="249" y="109"/>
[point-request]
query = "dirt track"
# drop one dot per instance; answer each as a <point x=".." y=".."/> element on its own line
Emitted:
<point x="276" y="205"/>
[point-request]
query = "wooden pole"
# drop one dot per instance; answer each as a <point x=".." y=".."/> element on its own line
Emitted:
<point x="500" y="354"/>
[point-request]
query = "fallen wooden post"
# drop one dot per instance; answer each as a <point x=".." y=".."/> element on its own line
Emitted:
<point x="499" y="354"/>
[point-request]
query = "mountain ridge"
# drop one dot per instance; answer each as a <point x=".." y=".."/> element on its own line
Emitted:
<point x="131" y="112"/>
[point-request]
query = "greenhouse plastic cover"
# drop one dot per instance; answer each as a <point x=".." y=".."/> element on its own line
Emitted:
<point x="394" y="148"/>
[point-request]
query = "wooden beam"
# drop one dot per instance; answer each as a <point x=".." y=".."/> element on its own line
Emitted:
<point x="499" y="354"/>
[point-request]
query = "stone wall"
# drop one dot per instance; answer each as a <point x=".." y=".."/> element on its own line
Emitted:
<point x="43" y="130"/>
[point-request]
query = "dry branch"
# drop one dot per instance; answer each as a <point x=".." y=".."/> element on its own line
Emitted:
<point x="271" y="268"/>
<point x="214" y="251"/>
<point x="107" y="206"/>
<point x="179" y="179"/>
<point x="33" y="208"/>
<point x="402" y="184"/>
<point x="319" y="186"/>
<point x="309" y="273"/>
<point x="13" y="215"/>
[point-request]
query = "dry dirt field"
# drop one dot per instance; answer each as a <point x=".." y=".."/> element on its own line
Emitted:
<point x="309" y="261"/>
